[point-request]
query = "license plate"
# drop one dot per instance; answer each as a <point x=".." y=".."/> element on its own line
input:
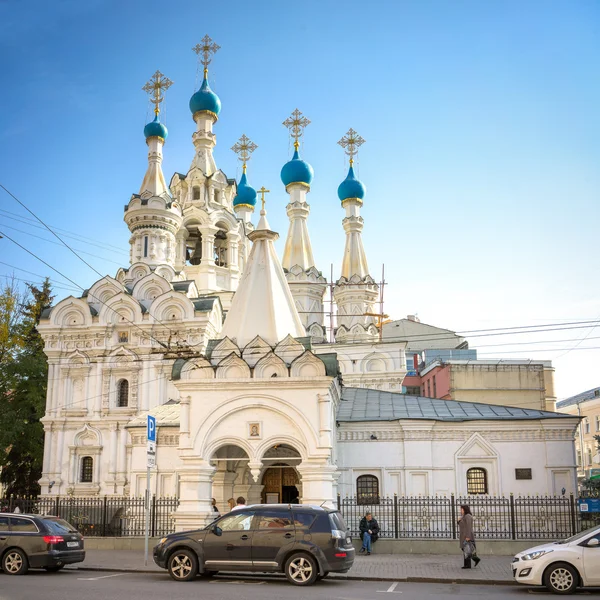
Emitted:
<point x="72" y="544"/>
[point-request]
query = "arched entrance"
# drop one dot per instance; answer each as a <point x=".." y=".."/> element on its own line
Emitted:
<point x="231" y="477"/>
<point x="280" y="480"/>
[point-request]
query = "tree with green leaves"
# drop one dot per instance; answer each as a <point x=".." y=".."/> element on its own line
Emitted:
<point x="23" y="383"/>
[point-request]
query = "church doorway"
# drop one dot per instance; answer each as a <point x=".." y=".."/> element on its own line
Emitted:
<point x="280" y="485"/>
<point x="280" y="481"/>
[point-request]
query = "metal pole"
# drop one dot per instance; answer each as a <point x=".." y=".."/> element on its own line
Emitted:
<point x="331" y="334"/>
<point x="146" y="535"/>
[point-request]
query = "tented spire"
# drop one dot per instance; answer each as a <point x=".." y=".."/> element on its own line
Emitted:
<point x="263" y="304"/>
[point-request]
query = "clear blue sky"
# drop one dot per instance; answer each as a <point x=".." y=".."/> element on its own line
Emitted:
<point x="481" y="161"/>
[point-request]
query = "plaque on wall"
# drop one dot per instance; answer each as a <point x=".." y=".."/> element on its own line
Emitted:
<point x="523" y="474"/>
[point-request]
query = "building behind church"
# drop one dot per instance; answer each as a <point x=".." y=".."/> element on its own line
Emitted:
<point x="253" y="392"/>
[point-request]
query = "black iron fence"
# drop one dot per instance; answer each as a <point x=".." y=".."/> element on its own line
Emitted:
<point x="495" y="517"/>
<point x="102" y="516"/>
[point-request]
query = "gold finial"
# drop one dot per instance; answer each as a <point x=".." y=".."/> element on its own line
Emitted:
<point x="350" y="143"/>
<point x="244" y="148"/>
<point x="156" y="85"/>
<point x="296" y="123"/>
<point x="263" y="191"/>
<point x="206" y="48"/>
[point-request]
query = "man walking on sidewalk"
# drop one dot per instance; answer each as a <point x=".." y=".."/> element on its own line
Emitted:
<point x="369" y="532"/>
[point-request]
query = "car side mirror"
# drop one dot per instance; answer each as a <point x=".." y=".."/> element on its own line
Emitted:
<point x="593" y="543"/>
<point x="217" y="530"/>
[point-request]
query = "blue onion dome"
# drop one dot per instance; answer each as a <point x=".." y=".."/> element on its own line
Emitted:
<point x="351" y="187"/>
<point x="156" y="129"/>
<point x="246" y="194"/>
<point x="297" y="171"/>
<point x="205" y="99"/>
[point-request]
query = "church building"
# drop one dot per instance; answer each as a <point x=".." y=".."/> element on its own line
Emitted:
<point x="254" y="393"/>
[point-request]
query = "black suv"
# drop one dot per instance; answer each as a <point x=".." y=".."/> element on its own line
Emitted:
<point x="304" y="542"/>
<point x="38" y="542"/>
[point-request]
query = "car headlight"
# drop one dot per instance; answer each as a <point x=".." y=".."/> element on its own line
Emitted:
<point x="535" y="555"/>
<point x="162" y="541"/>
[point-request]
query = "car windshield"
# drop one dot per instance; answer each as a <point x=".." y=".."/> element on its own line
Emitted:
<point x="59" y="526"/>
<point x="580" y="536"/>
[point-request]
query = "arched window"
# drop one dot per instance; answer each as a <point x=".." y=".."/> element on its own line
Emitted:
<point x="477" y="481"/>
<point x="87" y="470"/>
<point x="196" y="193"/>
<point x="367" y="490"/>
<point x="221" y="248"/>
<point x="123" y="393"/>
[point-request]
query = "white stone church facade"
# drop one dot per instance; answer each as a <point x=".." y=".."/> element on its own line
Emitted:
<point x="228" y="347"/>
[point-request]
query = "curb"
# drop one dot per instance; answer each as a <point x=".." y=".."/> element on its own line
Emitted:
<point x="409" y="579"/>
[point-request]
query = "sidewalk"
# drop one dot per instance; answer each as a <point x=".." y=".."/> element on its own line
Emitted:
<point x="440" y="568"/>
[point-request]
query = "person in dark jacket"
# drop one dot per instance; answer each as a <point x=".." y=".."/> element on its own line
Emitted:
<point x="369" y="532"/>
<point x="465" y="528"/>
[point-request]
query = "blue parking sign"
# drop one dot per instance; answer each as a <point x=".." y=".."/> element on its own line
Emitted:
<point x="151" y="428"/>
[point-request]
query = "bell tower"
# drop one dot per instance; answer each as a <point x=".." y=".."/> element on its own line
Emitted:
<point x="152" y="216"/>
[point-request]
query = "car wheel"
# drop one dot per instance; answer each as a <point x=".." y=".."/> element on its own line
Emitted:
<point x="561" y="578"/>
<point x="15" y="562"/>
<point x="319" y="577"/>
<point x="301" y="569"/>
<point x="183" y="565"/>
<point x="208" y="574"/>
<point x="54" y="569"/>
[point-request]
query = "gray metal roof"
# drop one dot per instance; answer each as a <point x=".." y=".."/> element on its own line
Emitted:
<point x="360" y="404"/>
<point x="583" y="397"/>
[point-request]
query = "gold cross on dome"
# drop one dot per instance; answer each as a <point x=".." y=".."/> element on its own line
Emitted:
<point x="155" y="86"/>
<point x="296" y="123"/>
<point x="244" y="148"/>
<point x="206" y="48"/>
<point x="350" y="143"/>
<point x="263" y="191"/>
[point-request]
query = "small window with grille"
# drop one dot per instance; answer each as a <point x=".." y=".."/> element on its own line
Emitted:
<point x="123" y="393"/>
<point x="87" y="470"/>
<point x="367" y="489"/>
<point x="477" y="482"/>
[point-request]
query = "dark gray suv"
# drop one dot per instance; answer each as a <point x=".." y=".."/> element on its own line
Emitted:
<point x="304" y="542"/>
<point x="36" y="541"/>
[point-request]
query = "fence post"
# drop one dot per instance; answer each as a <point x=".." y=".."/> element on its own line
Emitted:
<point x="513" y="521"/>
<point x="153" y="515"/>
<point x="104" y="511"/>
<point x="396" y="516"/>
<point x="573" y="519"/>
<point x="339" y="503"/>
<point x="57" y="506"/>
<point x="453" y="515"/>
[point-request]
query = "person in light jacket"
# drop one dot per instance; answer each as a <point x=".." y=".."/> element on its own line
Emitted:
<point x="465" y="528"/>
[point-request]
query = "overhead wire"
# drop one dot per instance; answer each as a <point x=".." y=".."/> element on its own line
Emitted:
<point x="39" y="237"/>
<point x="83" y="289"/>
<point x="54" y="285"/>
<point x="65" y="232"/>
<point x="83" y="260"/>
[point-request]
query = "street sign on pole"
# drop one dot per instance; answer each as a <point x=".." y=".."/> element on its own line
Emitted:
<point x="151" y="444"/>
<point x="150" y="463"/>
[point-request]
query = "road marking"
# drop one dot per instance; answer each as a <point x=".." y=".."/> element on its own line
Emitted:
<point x="391" y="589"/>
<point x="239" y="582"/>
<point x="97" y="578"/>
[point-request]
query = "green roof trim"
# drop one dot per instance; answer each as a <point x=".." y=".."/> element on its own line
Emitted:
<point x="205" y="304"/>
<point x="176" y="369"/>
<point x="332" y="365"/>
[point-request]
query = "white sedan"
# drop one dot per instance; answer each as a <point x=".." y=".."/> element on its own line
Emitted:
<point x="561" y="566"/>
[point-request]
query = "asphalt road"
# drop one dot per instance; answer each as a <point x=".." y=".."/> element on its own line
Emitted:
<point x="89" y="585"/>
